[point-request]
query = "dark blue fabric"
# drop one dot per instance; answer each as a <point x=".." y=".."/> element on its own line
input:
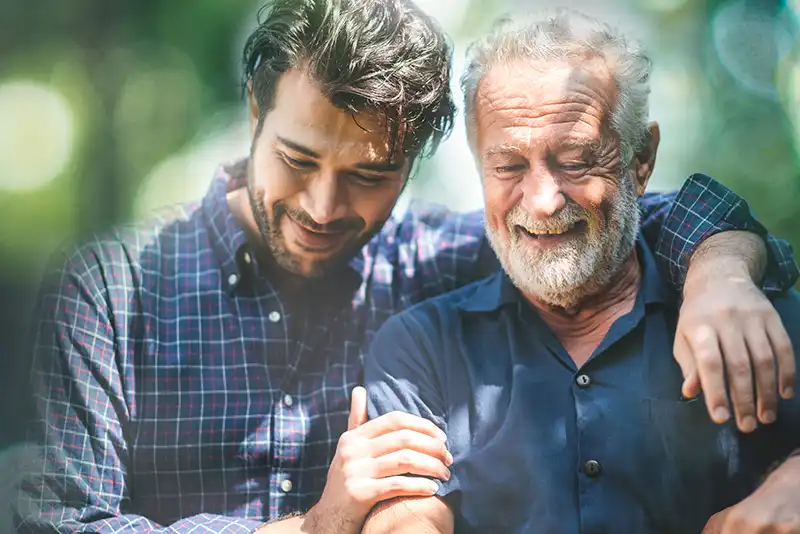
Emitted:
<point x="481" y="364"/>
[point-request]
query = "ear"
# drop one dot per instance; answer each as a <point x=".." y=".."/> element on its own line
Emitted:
<point x="645" y="160"/>
<point x="253" y="108"/>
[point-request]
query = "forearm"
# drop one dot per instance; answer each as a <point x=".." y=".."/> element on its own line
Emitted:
<point x="290" y="525"/>
<point x="787" y="468"/>
<point x="736" y="255"/>
<point x="428" y="515"/>
<point x="315" y="521"/>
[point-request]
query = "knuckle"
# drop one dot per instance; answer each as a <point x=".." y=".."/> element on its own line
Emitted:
<point x="762" y="355"/>
<point x="405" y="459"/>
<point x="346" y="452"/>
<point x="395" y="418"/>
<point x="352" y="488"/>
<point x="406" y="439"/>
<point x="394" y="484"/>
<point x="350" y="473"/>
<point x="783" y="346"/>
<point x="738" y="365"/>
<point x="700" y="332"/>
<point x="708" y="359"/>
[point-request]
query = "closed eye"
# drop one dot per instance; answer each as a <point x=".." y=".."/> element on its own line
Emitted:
<point x="574" y="166"/>
<point x="367" y="180"/>
<point x="298" y="163"/>
<point x="509" y="169"/>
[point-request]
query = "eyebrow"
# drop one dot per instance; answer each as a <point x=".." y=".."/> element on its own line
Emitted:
<point x="504" y="150"/>
<point x="370" y="166"/>
<point x="298" y="147"/>
<point x="590" y="145"/>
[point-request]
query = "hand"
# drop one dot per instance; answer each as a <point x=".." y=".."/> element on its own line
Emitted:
<point x="727" y="324"/>
<point x="774" y="508"/>
<point x="371" y="461"/>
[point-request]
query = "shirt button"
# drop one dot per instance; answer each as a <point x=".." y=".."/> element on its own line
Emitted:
<point x="232" y="279"/>
<point x="592" y="468"/>
<point x="286" y="486"/>
<point x="583" y="381"/>
<point x="274" y="317"/>
<point x="248" y="259"/>
<point x="288" y="400"/>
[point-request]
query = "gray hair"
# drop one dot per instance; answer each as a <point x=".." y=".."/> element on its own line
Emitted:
<point x="566" y="34"/>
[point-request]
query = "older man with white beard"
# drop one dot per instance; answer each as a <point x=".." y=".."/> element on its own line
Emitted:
<point x="554" y="380"/>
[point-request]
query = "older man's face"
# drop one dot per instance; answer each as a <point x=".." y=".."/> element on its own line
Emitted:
<point x="560" y="209"/>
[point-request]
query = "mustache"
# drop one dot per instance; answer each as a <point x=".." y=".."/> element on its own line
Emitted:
<point x="302" y="217"/>
<point x="570" y="214"/>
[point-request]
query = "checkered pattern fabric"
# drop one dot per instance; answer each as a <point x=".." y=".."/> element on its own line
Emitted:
<point x="177" y="389"/>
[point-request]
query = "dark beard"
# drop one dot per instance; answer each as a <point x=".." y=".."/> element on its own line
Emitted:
<point x="269" y="226"/>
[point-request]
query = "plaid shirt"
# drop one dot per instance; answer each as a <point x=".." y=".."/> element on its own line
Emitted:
<point x="177" y="389"/>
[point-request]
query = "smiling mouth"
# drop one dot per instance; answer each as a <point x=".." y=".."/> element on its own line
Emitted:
<point x="574" y="228"/>
<point x="314" y="241"/>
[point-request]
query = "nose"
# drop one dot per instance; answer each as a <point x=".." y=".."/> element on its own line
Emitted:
<point x="542" y="196"/>
<point x="322" y="199"/>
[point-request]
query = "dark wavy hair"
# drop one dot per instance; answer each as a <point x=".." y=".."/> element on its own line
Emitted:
<point x="379" y="56"/>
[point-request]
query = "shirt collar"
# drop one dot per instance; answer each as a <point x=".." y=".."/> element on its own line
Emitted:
<point x="498" y="290"/>
<point x="229" y="241"/>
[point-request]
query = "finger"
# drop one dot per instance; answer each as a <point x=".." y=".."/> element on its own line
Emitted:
<point x="784" y="355"/>
<point x="384" y="489"/>
<point x="705" y="347"/>
<point x="407" y="462"/>
<point x="715" y="524"/>
<point x="763" y="362"/>
<point x="406" y="439"/>
<point x="740" y="378"/>
<point x="691" y="379"/>
<point x="358" y="408"/>
<point x="393" y="421"/>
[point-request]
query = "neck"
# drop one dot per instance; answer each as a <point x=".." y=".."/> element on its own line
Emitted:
<point x="581" y="328"/>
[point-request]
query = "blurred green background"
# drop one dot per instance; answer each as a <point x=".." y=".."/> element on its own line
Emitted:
<point x="109" y="109"/>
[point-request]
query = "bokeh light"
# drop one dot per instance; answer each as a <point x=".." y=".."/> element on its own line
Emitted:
<point x="37" y="134"/>
<point x="187" y="174"/>
<point x="749" y="41"/>
<point x="449" y="13"/>
<point x="665" y="5"/>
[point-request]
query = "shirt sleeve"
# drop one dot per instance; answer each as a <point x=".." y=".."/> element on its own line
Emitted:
<point x="434" y="250"/>
<point x="84" y="396"/>
<point x="702" y="208"/>
<point x="400" y="375"/>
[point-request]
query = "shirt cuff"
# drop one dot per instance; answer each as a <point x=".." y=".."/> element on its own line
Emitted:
<point x="705" y="207"/>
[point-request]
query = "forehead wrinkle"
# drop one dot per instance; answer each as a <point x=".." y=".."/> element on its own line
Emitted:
<point x="540" y="86"/>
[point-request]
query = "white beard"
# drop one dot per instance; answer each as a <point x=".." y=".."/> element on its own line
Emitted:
<point x="581" y="267"/>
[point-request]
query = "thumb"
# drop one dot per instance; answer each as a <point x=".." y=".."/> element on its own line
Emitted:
<point x="691" y="379"/>
<point x="358" y="408"/>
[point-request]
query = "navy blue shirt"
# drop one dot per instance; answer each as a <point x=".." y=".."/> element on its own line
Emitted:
<point x="543" y="447"/>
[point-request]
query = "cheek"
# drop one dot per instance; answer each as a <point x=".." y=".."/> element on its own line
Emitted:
<point x="272" y="180"/>
<point x="373" y="205"/>
<point x="500" y="197"/>
<point x="594" y="195"/>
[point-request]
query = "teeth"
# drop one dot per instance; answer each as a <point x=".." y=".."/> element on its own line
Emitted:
<point x="549" y="231"/>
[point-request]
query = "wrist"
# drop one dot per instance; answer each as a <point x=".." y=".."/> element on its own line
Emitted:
<point x="788" y="471"/>
<point x="706" y="271"/>
<point x="733" y="255"/>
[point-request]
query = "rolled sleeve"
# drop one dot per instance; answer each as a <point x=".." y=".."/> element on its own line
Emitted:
<point x="704" y="207"/>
